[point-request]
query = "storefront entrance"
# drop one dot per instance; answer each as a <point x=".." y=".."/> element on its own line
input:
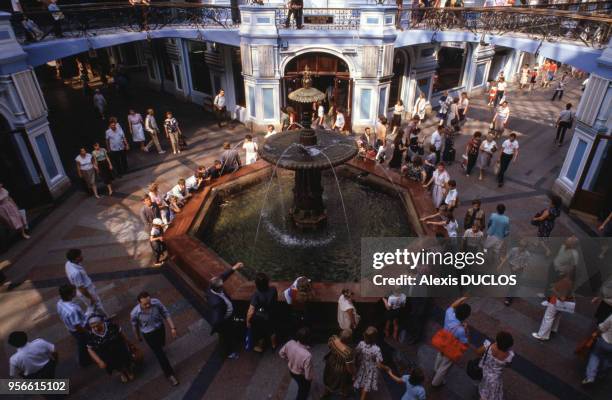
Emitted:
<point x="594" y="192"/>
<point x="330" y="75"/>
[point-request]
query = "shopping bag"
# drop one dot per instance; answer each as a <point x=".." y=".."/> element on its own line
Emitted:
<point x="565" y="306"/>
<point x="248" y="340"/>
<point x="584" y="347"/>
<point x="496" y="168"/>
<point x="447" y="344"/>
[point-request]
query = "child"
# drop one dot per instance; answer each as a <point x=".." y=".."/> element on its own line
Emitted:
<point x="413" y="382"/>
<point x="157" y="242"/>
<point x="393" y="304"/>
<point x="492" y="93"/>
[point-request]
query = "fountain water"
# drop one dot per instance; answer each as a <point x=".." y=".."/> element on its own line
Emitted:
<point x="302" y="152"/>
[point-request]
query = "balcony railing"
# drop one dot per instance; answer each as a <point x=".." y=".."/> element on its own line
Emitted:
<point x="593" y="30"/>
<point x="99" y="18"/>
<point x="587" y="23"/>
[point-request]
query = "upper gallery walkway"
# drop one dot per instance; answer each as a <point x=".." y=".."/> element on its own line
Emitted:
<point x="577" y="31"/>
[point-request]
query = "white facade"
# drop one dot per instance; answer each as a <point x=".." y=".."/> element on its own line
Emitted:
<point x="23" y="107"/>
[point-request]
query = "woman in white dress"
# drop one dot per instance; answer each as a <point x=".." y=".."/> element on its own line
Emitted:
<point x="420" y="107"/>
<point x="487" y="148"/>
<point x="495" y="357"/>
<point x="525" y="76"/>
<point x="439" y="179"/>
<point x="10" y="214"/>
<point x="500" y="119"/>
<point x="250" y="147"/>
<point x="135" y="123"/>
<point x="87" y="167"/>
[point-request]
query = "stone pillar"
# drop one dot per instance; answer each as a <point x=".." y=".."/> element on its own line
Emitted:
<point x="260" y="66"/>
<point x="593" y="119"/>
<point x="372" y="78"/>
<point x="478" y="68"/>
<point x="23" y="106"/>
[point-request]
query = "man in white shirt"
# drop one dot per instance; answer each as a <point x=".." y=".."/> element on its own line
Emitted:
<point x="179" y="191"/>
<point x="436" y="141"/>
<point x="86" y="291"/>
<point x="270" y="131"/>
<point x="74" y="319"/>
<point x="195" y="181"/>
<point x="117" y="145"/>
<point x="508" y="154"/>
<point x="33" y="360"/>
<point x="219" y="106"/>
<point x="564" y="122"/>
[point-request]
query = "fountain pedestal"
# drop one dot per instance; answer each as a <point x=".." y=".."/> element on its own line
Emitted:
<point x="308" y="211"/>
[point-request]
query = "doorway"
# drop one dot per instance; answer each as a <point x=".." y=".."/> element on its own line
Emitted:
<point x="330" y="74"/>
<point x="594" y="192"/>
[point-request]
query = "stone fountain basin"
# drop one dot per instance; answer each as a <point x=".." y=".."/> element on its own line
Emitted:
<point x="195" y="264"/>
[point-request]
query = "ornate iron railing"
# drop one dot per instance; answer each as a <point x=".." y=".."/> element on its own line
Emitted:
<point x="99" y="18"/>
<point x="541" y="24"/>
<point x="588" y="23"/>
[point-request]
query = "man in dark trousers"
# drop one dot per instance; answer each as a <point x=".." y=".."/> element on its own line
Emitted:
<point x="222" y="312"/>
<point x="296" y="8"/>
<point x="148" y="213"/>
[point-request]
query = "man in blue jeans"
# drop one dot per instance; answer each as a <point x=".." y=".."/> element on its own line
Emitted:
<point x="601" y="353"/>
<point x="454" y="322"/>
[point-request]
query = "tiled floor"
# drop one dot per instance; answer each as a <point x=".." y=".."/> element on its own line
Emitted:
<point x="118" y="257"/>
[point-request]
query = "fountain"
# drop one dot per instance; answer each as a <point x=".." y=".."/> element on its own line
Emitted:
<point x="307" y="152"/>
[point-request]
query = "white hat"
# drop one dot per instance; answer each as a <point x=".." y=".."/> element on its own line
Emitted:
<point x="158" y="221"/>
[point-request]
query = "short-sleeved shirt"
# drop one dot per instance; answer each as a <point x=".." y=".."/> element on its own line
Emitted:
<point x="150" y="320"/>
<point x="509" y="147"/>
<point x="344" y="321"/>
<point x="71" y="314"/>
<point x="453" y="325"/>
<point x="488" y="146"/>
<point x="100" y="155"/>
<point x="320" y="111"/>
<point x="115" y="139"/>
<point x="396" y="301"/>
<point x="503" y="113"/>
<point x="340" y="120"/>
<point x="265" y="301"/>
<point x="412" y="392"/>
<point x="566" y="116"/>
<point x="518" y="258"/>
<point x="451" y="227"/>
<point x="436" y="140"/>
<point x="451" y="196"/>
<point x="501" y="86"/>
<point x="30" y="358"/>
<point x="77" y="276"/>
<point x="85" y="163"/>
<point x="566" y="259"/>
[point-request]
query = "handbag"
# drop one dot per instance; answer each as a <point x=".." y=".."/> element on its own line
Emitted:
<point x="473" y="368"/>
<point x="136" y="353"/>
<point x="446" y="343"/>
<point x="536" y="223"/>
<point x="584" y="347"/>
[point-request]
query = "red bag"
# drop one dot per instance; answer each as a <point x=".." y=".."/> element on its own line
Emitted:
<point x="447" y="344"/>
